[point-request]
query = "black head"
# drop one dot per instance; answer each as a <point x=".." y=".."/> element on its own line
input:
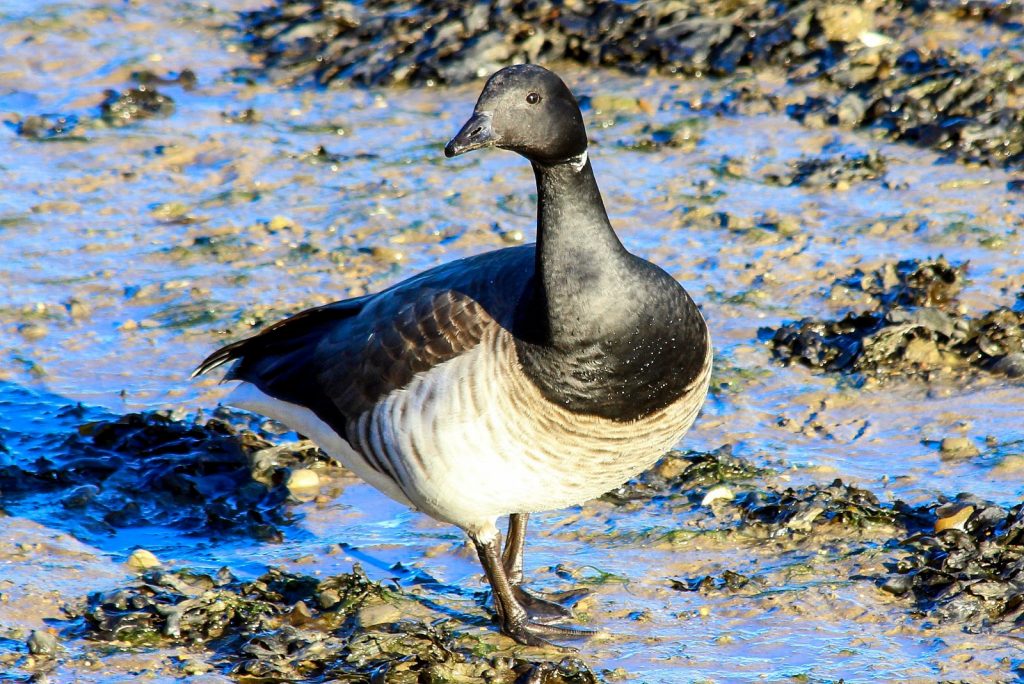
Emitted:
<point x="527" y="109"/>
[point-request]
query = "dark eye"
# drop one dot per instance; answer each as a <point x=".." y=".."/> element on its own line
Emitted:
<point x="533" y="98"/>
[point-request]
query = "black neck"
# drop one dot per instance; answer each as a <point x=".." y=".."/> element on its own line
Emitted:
<point x="601" y="331"/>
<point x="578" y="253"/>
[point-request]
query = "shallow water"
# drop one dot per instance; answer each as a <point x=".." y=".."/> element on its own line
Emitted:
<point x="127" y="254"/>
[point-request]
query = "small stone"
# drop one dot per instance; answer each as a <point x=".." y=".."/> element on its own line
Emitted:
<point x="378" y="614"/>
<point x="192" y="666"/>
<point x="958" y="447"/>
<point x="303" y="479"/>
<point x="387" y="254"/>
<point x="328" y="598"/>
<point x="719" y="493"/>
<point x="898" y="585"/>
<point x="33" y="331"/>
<point x="922" y="351"/>
<point x="669" y="468"/>
<point x="141" y="559"/>
<point x="844" y="23"/>
<point x="80" y="496"/>
<point x="300" y="614"/>
<point x="279" y="223"/>
<point x="43" y="643"/>
<point x="1011" y="365"/>
<point x="787" y="225"/>
<point x="952" y="517"/>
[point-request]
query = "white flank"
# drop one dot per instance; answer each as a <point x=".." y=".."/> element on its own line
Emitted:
<point x="472" y="439"/>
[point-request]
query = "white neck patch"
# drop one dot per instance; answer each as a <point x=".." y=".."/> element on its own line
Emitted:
<point x="578" y="162"/>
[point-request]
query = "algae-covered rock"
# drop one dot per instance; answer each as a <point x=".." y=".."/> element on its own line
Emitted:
<point x="251" y="630"/>
<point x="914" y="329"/>
<point x="685" y="473"/>
<point x="133" y="104"/>
<point x="970" y="571"/>
<point x="838" y="171"/>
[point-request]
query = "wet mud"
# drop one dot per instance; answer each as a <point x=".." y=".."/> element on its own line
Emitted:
<point x="860" y="524"/>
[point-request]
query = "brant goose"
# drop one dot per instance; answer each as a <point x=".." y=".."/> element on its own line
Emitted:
<point x="524" y="379"/>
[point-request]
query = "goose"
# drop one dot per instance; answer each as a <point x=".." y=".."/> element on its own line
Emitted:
<point x="525" y="379"/>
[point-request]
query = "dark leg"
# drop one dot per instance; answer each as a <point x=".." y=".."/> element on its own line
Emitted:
<point x="540" y="610"/>
<point x="515" y="540"/>
<point x="514" y="620"/>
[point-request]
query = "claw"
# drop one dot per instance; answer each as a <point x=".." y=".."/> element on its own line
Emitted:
<point x="546" y="611"/>
<point x="510" y="601"/>
<point x="533" y="634"/>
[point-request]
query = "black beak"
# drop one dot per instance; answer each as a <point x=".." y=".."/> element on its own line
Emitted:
<point x="475" y="134"/>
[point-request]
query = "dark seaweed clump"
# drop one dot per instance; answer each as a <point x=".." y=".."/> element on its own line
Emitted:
<point x="289" y="627"/>
<point x="46" y="126"/>
<point x="914" y="329"/>
<point x="133" y="104"/>
<point x="773" y="513"/>
<point x="970" y="574"/>
<point x="942" y="98"/>
<point x="707" y="584"/>
<point x="149" y="468"/>
<point x="829" y="172"/>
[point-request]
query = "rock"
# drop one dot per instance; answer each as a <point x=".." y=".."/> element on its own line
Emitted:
<point x="1011" y="365"/>
<point x="386" y="254"/>
<point x="377" y="614"/>
<point x="952" y="516"/>
<point x="80" y="497"/>
<point x="719" y="493"/>
<point x="328" y="598"/>
<point x="844" y="23"/>
<point x="898" y="585"/>
<point x="300" y="614"/>
<point x="121" y="109"/>
<point x="922" y="351"/>
<point x="303" y="480"/>
<point x="42" y="643"/>
<point x="958" y="447"/>
<point x="33" y="332"/>
<point x="141" y="559"/>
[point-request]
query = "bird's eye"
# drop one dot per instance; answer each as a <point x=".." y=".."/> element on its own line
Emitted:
<point x="533" y="98"/>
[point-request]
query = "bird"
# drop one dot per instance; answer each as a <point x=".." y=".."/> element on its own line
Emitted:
<point x="525" y="379"/>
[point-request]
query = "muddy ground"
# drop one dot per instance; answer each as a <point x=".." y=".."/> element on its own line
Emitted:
<point x="139" y="230"/>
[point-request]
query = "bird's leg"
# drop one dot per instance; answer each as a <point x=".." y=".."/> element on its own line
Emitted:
<point x="515" y="541"/>
<point x="515" y="622"/>
<point x="540" y="610"/>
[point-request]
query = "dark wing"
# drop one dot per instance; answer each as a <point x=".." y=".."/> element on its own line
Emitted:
<point x="339" y="359"/>
<point x="281" y="337"/>
<point x="431" y="327"/>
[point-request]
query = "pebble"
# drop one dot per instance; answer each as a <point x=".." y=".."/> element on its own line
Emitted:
<point x="303" y="479"/>
<point x="959" y="447"/>
<point x="952" y="517"/>
<point x="844" y="23"/>
<point x="719" y="493"/>
<point x="42" y="643"/>
<point x="386" y="254"/>
<point x="33" y="331"/>
<point x="141" y="559"/>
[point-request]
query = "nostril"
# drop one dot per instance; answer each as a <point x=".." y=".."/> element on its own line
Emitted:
<point x="476" y="131"/>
